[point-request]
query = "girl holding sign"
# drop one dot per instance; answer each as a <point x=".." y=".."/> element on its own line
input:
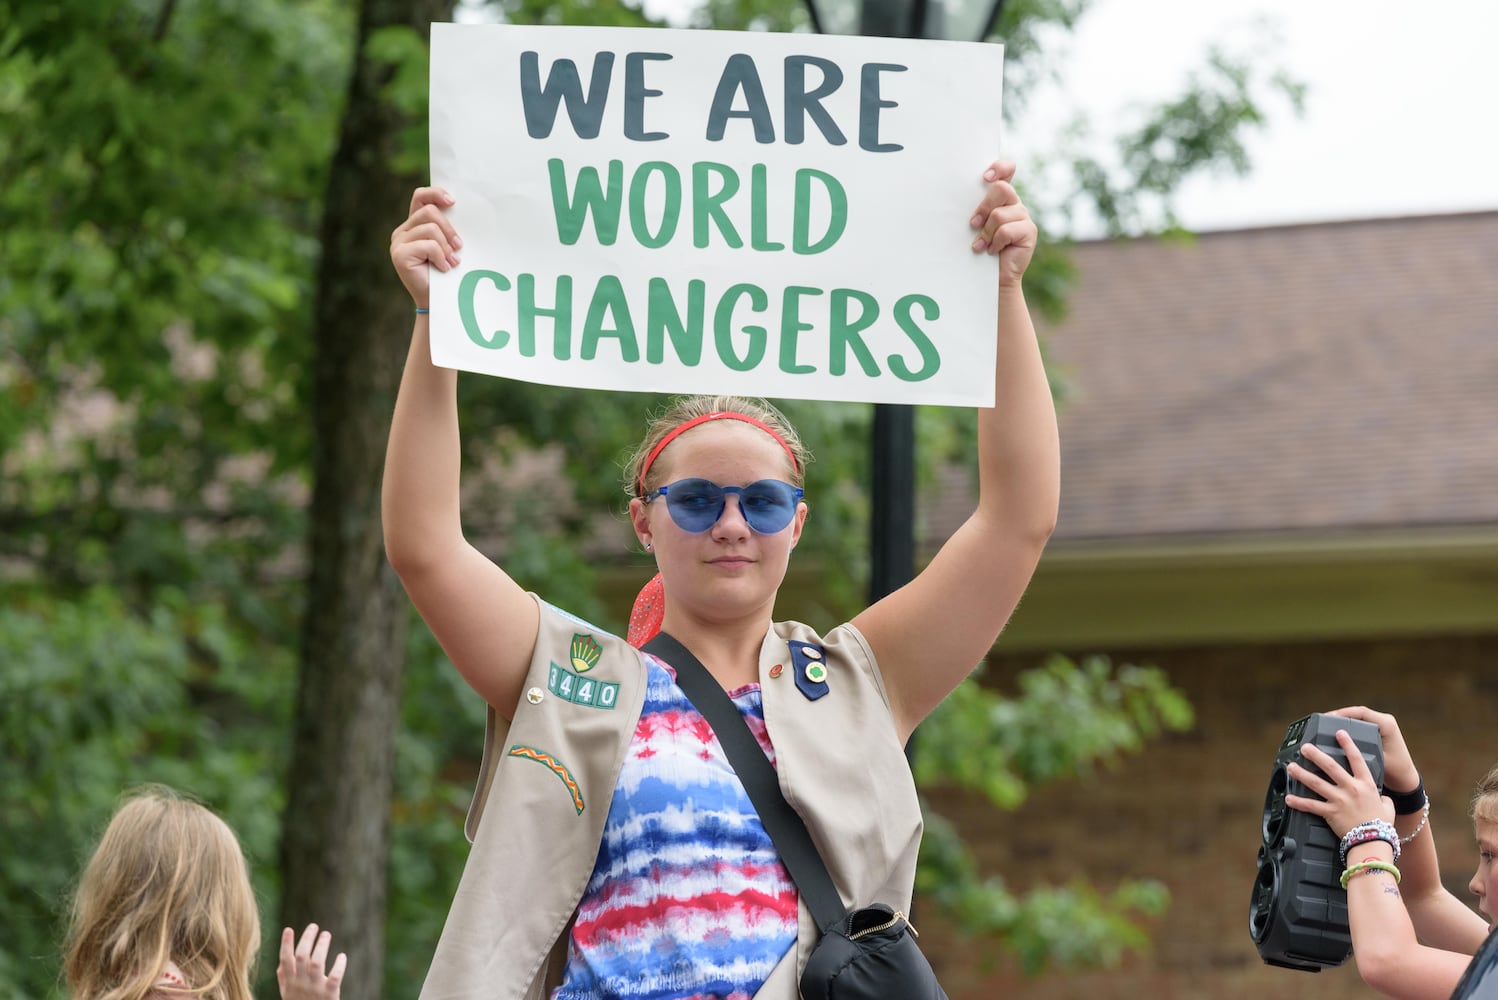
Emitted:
<point x="615" y="852"/>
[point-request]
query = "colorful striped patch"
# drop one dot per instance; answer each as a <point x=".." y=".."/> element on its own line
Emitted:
<point x="557" y="768"/>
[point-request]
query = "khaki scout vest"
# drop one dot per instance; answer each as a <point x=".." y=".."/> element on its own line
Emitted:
<point x="547" y="778"/>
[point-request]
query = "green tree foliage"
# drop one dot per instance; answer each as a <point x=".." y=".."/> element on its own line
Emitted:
<point x="1066" y="720"/>
<point x="95" y="700"/>
<point x="162" y="164"/>
<point x="164" y="167"/>
<point x="1128" y="190"/>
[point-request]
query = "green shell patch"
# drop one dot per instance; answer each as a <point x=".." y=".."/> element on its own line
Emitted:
<point x="582" y="690"/>
<point x="557" y="768"/>
<point x="585" y="653"/>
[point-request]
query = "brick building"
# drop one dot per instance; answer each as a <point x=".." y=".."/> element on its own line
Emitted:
<point x="1280" y="484"/>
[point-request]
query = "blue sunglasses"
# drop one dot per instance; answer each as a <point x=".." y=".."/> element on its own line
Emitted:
<point x="696" y="504"/>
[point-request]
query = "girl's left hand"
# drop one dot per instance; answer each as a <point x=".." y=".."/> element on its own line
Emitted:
<point x="1004" y="224"/>
<point x="1347" y="799"/>
<point x="300" y="972"/>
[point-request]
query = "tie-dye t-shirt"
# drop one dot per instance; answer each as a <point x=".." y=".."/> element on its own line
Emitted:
<point x="689" y="899"/>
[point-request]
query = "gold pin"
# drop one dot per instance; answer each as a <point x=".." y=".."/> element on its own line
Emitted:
<point x="534" y="696"/>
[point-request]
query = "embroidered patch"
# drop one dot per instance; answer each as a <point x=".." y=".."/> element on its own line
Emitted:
<point x="557" y="768"/>
<point x="582" y="690"/>
<point x="585" y="653"/>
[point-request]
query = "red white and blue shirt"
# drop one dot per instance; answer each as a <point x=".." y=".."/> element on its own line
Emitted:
<point x="688" y="899"/>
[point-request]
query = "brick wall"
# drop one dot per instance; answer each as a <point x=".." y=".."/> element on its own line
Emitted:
<point x="1187" y="811"/>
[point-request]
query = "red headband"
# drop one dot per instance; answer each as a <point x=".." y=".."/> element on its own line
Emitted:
<point x="717" y="415"/>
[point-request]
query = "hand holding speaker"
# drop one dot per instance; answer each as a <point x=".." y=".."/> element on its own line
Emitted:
<point x="1347" y="798"/>
<point x="1400" y="773"/>
<point x="1298" y="909"/>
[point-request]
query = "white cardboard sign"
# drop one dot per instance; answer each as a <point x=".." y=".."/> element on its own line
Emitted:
<point x="780" y="215"/>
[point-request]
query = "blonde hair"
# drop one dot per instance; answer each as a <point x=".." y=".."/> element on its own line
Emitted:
<point x="688" y="408"/>
<point x="1485" y="800"/>
<point x="168" y="882"/>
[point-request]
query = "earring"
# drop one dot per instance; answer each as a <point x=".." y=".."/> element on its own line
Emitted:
<point x="649" y="547"/>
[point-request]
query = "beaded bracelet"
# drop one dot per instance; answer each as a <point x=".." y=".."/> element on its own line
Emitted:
<point x="1424" y="817"/>
<point x="1370" y="866"/>
<point x="1373" y="829"/>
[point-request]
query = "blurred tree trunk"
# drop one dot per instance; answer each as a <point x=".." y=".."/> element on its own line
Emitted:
<point x="336" y="842"/>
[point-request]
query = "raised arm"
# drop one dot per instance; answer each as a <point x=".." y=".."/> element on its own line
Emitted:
<point x="1389" y="956"/>
<point x="302" y="973"/>
<point x="1440" y="919"/>
<point x="485" y="622"/>
<point x="931" y="633"/>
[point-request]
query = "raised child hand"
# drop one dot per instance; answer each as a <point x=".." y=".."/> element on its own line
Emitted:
<point x="300" y="972"/>
<point x="1347" y="799"/>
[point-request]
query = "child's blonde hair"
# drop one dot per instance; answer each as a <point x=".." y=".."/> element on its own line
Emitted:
<point x="168" y="882"/>
<point x="1485" y="801"/>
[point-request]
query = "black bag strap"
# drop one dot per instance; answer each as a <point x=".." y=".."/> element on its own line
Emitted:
<point x="754" y="769"/>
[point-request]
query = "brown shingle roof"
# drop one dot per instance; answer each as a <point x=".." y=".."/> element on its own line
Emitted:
<point x="1302" y="378"/>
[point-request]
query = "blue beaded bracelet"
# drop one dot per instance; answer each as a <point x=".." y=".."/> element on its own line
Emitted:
<point x="1373" y="829"/>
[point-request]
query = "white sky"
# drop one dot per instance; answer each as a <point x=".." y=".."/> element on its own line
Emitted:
<point x="1401" y="111"/>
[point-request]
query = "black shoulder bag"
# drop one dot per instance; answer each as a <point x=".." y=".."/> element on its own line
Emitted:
<point x="864" y="954"/>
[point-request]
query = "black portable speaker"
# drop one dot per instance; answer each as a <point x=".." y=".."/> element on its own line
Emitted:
<point x="1298" y="911"/>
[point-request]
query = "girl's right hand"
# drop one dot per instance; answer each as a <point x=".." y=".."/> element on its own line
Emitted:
<point x="425" y="238"/>
<point x="1347" y="797"/>
<point x="1400" y="774"/>
<point x="300" y="973"/>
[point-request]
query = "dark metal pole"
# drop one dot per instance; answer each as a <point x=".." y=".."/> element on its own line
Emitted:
<point x="892" y="515"/>
<point x="891" y="18"/>
<point x="892" y="505"/>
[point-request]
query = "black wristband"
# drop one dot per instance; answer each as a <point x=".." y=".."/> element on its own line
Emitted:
<point x="1407" y="803"/>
